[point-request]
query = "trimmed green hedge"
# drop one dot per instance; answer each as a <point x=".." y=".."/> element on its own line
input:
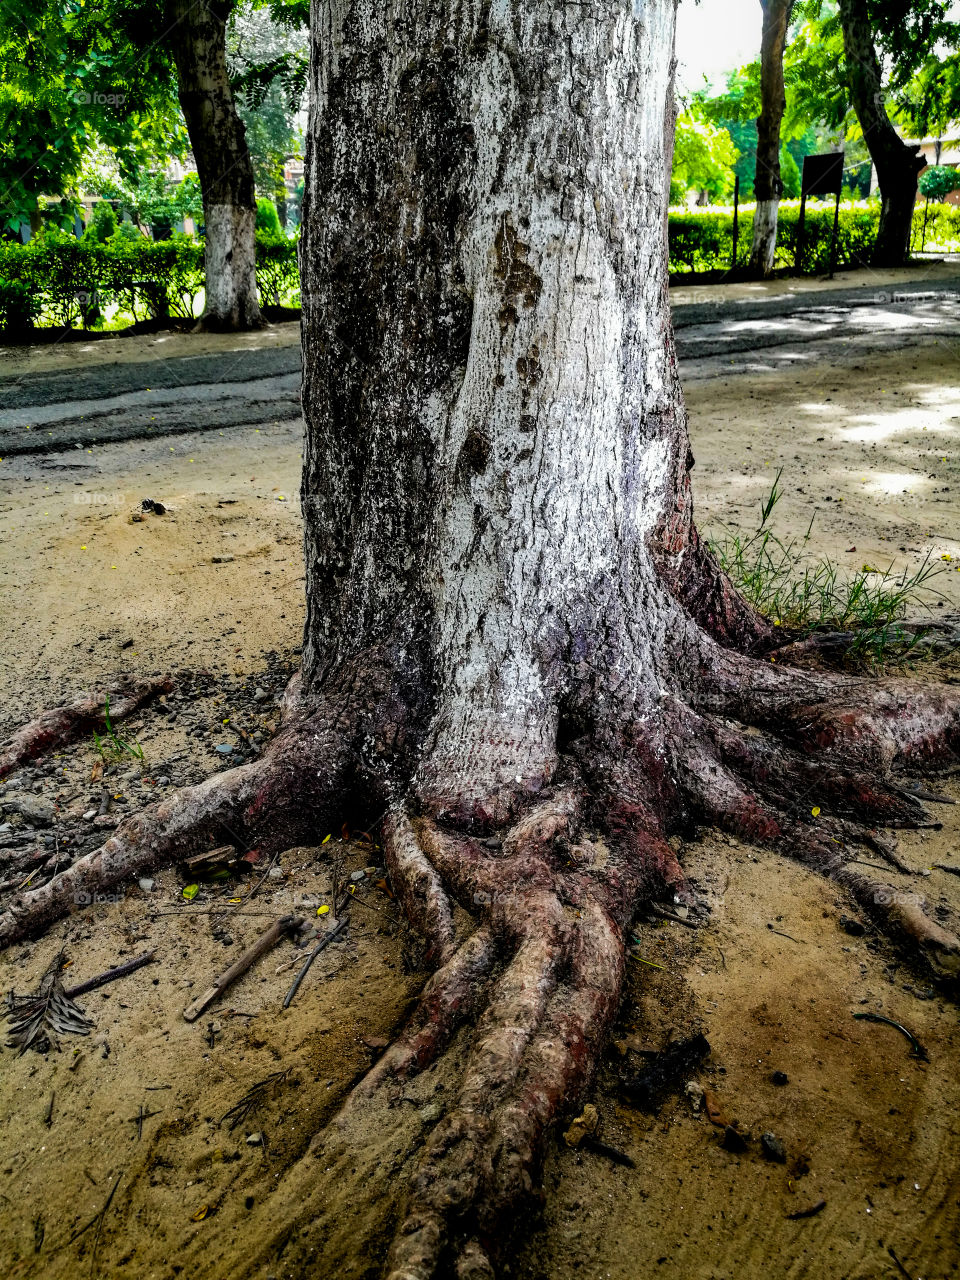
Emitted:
<point x="57" y="280"/>
<point x="703" y="240"/>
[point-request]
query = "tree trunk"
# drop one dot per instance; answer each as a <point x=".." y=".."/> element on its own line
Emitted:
<point x="218" y="142"/>
<point x="496" y="445"/>
<point x="767" y="184"/>
<point x="898" y="165"/>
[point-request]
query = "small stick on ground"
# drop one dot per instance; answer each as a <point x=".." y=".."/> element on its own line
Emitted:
<point x="110" y="975"/>
<point x="324" y="942"/>
<point x="48" y="1111"/>
<point x="808" y="1213"/>
<point x="97" y="1217"/>
<point x="943" y="866"/>
<point x="286" y="924"/>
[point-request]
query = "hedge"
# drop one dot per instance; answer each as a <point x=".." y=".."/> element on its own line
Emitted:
<point x="60" y="281"/>
<point x="703" y="240"/>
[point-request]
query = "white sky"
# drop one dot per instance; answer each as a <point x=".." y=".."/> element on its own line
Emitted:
<point x="715" y="36"/>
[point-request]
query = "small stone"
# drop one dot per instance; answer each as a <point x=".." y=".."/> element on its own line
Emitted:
<point x="260" y="695"/>
<point x="163" y="782"/>
<point x="34" y="809"/>
<point x="222" y="559"/>
<point x="780" y="1078"/>
<point x="254" y="1139"/>
<point x="146" y="884"/>
<point x="694" y="1091"/>
<point x="275" y="873"/>
<point x="224" y="748"/>
<point x="773" y="1148"/>
<point x="733" y="1140"/>
<point x="357" y="876"/>
<point x="585" y="1126"/>
<point x="91" y="813"/>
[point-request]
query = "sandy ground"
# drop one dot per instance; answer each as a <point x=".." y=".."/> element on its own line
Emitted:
<point x="85" y="592"/>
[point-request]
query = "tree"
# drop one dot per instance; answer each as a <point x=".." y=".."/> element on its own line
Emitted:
<point x="68" y="87"/>
<point x="198" y="45"/>
<point x="517" y="647"/>
<point x="768" y="186"/>
<point x="897" y="164"/>
<point x="893" y="62"/>
<point x="703" y="157"/>
<point x="938" y="180"/>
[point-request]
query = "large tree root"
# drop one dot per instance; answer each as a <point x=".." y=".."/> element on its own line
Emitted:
<point x="62" y="725"/>
<point x="526" y="921"/>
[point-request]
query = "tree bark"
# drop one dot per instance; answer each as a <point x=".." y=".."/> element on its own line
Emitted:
<point x="218" y="142"/>
<point x="897" y="163"/>
<point x="496" y="443"/>
<point x="773" y="102"/>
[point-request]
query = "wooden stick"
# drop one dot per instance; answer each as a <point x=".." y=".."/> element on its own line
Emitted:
<point x="324" y="942"/>
<point x="111" y="975"/>
<point x="240" y="966"/>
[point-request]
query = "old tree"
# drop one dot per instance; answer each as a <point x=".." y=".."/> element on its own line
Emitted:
<point x="516" y="644"/>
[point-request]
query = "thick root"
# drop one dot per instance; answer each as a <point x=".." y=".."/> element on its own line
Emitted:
<point x="61" y="725"/>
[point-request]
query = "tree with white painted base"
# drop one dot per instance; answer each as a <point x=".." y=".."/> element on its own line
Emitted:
<point x="516" y="644"/>
<point x="767" y="185"/>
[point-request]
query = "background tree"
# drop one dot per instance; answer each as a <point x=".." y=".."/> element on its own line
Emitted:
<point x="768" y="186"/>
<point x="517" y="648"/>
<point x="893" y="62"/>
<point x="703" y="158"/>
<point x="937" y="181"/>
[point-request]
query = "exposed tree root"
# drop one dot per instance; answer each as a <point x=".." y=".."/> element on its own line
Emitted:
<point x="534" y="982"/>
<point x="61" y="725"/>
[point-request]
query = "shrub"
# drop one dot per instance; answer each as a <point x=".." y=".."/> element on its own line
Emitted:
<point x="59" y="280"/>
<point x="19" y="307"/>
<point x="103" y="222"/>
<point x="702" y="240"/>
<point x="278" y="272"/>
<point x="268" y="219"/>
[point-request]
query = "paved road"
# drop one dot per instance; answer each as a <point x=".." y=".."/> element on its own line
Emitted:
<point x="50" y="412"/>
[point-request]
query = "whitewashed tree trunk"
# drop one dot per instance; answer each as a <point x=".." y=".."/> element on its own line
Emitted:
<point x="767" y="184"/>
<point x="219" y="145"/>
<point x="495" y="482"/>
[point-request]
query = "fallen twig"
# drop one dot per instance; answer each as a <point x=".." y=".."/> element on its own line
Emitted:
<point x="917" y="1050"/>
<point x="97" y="1217"/>
<point x="110" y="975"/>
<point x="808" y="1213"/>
<point x="286" y="924"/>
<point x="944" y="866"/>
<point x="324" y="942"/>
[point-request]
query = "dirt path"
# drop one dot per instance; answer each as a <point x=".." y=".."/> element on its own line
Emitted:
<point x="86" y="591"/>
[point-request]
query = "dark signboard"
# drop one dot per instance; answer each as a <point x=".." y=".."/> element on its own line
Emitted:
<point x="822" y="175"/>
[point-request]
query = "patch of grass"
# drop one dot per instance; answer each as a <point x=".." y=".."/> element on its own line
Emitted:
<point x="112" y="747"/>
<point x="803" y="594"/>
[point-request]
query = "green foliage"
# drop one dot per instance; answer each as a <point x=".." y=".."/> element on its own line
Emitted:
<point x="70" y="78"/>
<point x="19" y="306"/>
<point x="703" y="157"/>
<point x="278" y="273"/>
<point x="938" y="180"/>
<point x="268" y="220"/>
<point x="103" y="222"/>
<point x="702" y="240"/>
<point x="59" y="280"/>
<point x="804" y="594"/>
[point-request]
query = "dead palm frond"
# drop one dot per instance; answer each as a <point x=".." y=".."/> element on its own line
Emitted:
<point x="36" y="1020"/>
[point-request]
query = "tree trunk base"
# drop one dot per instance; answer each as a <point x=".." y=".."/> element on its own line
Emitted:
<point x="532" y="985"/>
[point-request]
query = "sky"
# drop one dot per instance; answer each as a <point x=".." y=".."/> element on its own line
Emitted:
<point x="715" y="36"/>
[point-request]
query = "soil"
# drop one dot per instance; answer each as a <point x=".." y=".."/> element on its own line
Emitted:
<point x="211" y="591"/>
